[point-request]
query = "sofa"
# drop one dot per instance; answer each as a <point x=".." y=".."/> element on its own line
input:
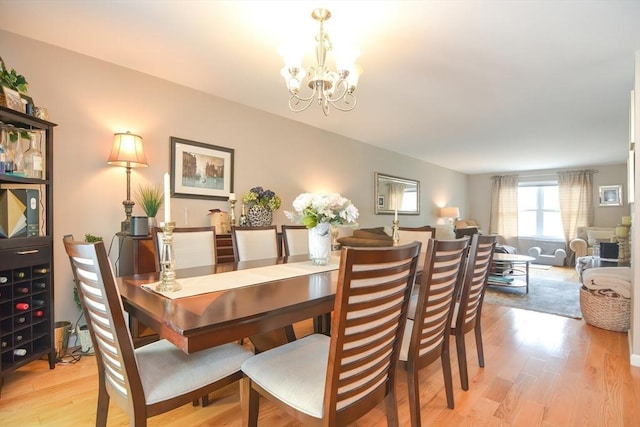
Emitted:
<point x="587" y="237"/>
<point x="556" y="258"/>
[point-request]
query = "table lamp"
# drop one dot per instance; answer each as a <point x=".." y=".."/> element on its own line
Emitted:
<point x="127" y="152"/>
<point x="452" y="213"/>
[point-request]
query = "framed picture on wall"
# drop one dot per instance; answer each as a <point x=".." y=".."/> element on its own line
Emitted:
<point x="611" y="195"/>
<point x="200" y="171"/>
<point x="13" y="100"/>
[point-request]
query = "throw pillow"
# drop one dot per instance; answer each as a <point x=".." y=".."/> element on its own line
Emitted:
<point x="595" y="237"/>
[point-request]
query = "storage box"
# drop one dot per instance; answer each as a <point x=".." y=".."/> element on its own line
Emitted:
<point x="19" y="213"/>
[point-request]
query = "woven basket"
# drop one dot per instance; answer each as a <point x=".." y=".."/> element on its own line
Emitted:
<point x="605" y="310"/>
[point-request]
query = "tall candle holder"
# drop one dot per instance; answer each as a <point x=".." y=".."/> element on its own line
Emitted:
<point x="396" y="234"/>
<point x="168" y="281"/>
<point x="232" y="212"/>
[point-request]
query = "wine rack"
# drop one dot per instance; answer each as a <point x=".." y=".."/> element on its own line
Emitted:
<point x="26" y="265"/>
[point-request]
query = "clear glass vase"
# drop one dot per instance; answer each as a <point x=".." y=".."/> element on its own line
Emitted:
<point x="320" y="244"/>
<point x="33" y="159"/>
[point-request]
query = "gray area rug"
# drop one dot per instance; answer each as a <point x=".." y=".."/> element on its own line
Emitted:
<point x="545" y="295"/>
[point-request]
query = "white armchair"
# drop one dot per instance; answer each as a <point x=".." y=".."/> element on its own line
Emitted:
<point x="587" y="237"/>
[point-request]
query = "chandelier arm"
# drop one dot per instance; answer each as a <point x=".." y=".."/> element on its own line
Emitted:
<point x="351" y="107"/>
<point x="306" y="103"/>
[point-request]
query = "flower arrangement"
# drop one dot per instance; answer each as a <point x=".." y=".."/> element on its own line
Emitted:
<point x="257" y="196"/>
<point x="312" y="209"/>
<point x="150" y="199"/>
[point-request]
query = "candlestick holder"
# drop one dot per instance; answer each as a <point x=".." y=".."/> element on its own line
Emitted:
<point x="624" y="252"/>
<point x="232" y="212"/>
<point x="396" y="235"/>
<point x="168" y="281"/>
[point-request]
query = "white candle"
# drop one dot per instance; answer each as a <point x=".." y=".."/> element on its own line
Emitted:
<point x="232" y="197"/>
<point x="396" y="215"/>
<point x="167" y="199"/>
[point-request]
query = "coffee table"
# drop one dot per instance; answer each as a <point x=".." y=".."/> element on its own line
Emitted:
<point x="513" y="268"/>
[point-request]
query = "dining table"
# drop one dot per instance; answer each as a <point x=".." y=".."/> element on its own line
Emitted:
<point x="208" y="319"/>
<point x="226" y="314"/>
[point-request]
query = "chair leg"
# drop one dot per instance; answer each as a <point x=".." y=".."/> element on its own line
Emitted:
<point x="478" y="332"/>
<point x="445" y="359"/>
<point x="462" y="361"/>
<point x="414" y="396"/>
<point x="249" y="403"/>
<point x="391" y="406"/>
<point x="102" y="411"/>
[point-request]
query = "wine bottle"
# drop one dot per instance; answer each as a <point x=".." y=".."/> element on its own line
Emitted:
<point x="38" y="313"/>
<point x="22" y="306"/>
<point x="18" y="338"/>
<point x="21" y="319"/>
<point x="20" y="274"/>
<point x="4" y="279"/>
<point x="37" y="302"/>
<point x="41" y="270"/>
<point x="243" y="221"/>
<point x="40" y="285"/>
<point x="4" y="344"/>
<point x="19" y="352"/>
<point x="22" y="290"/>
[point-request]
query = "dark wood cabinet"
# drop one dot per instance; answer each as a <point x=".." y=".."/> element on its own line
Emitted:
<point x="26" y="263"/>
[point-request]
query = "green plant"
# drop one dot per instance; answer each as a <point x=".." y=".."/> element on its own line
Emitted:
<point x="265" y="198"/>
<point x="150" y="198"/>
<point x="89" y="238"/>
<point x="12" y="79"/>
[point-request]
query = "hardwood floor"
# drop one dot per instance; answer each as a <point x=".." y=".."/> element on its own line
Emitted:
<point x="541" y="370"/>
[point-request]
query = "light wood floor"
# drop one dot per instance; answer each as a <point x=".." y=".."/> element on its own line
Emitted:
<point x="541" y="370"/>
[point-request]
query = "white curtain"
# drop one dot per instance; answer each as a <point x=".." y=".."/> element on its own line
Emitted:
<point x="396" y="193"/>
<point x="575" y="189"/>
<point x="504" y="209"/>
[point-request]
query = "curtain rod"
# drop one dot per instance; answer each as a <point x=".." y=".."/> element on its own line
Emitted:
<point x="555" y="173"/>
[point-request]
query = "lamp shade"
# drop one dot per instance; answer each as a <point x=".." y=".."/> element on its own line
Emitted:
<point x="449" y="212"/>
<point x="127" y="151"/>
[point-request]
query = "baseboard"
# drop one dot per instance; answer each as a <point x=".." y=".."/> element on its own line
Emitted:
<point x="634" y="359"/>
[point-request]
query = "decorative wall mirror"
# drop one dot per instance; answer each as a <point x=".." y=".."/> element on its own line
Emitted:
<point x="392" y="192"/>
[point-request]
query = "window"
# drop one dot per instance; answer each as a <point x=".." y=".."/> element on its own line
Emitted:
<point x="539" y="211"/>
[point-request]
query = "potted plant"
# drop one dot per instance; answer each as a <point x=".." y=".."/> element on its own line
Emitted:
<point x="261" y="204"/>
<point x="12" y="79"/>
<point x="150" y="199"/>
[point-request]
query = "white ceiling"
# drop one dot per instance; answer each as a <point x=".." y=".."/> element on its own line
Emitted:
<point x="474" y="86"/>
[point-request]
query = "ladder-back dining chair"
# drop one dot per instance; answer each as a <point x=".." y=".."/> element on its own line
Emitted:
<point x="149" y="380"/>
<point x="468" y="310"/>
<point x="192" y="246"/>
<point x="335" y="380"/>
<point x="295" y="239"/>
<point x="426" y="337"/>
<point x="250" y="243"/>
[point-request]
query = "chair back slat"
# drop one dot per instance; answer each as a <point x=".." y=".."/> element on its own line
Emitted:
<point x="441" y="281"/>
<point x="250" y="243"/>
<point x="370" y="312"/>
<point x="104" y="314"/>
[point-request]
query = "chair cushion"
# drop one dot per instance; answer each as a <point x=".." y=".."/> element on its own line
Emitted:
<point x="359" y="242"/>
<point x="295" y="372"/>
<point x="166" y="371"/>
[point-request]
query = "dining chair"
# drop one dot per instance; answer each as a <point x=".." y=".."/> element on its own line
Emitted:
<point x="295" y="239"/>
<point x="468" y="310"/>
<point x="335" y="380"/>
<point x="192" y="246"/>
<point x="151" y="379"/>
<point x="418" y="234"/>
<point x="250" y="243"/>
<point x="426" y="336"/>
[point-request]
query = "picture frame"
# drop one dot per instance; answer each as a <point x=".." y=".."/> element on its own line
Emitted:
<point x="610" y="195"/>
<point x="13" y="100"/>
<point x="388" y="188"/>
<point x="200" y="171"/>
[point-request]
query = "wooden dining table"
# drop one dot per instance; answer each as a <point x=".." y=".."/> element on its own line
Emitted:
<point x="206" y="320"/>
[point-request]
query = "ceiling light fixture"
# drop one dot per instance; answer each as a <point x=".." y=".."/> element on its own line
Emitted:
<point x="329" y="88"/>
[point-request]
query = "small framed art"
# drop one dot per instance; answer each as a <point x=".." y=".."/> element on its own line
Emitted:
<point x="12" y="99"/>
<point x="611" y="195"/>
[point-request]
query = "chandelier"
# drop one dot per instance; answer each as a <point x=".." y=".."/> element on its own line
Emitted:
<point x="328" y="88"/>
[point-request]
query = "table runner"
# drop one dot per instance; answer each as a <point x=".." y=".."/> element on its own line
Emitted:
<point x="236" y="279"/>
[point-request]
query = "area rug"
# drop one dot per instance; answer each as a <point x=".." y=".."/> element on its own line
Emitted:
<point x="540" y="266"/>
<point x="545" y="296"/>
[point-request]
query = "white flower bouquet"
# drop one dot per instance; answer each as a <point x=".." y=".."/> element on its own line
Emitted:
<point x="312" y="209"/>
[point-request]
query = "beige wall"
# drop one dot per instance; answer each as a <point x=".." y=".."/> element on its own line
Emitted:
<point x="90" y="100"/>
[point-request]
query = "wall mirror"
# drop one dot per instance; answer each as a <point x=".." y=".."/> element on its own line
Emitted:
<point x="392" y="192"/>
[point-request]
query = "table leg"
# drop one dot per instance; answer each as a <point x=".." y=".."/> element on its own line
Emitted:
<point x="527" y="277"/>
